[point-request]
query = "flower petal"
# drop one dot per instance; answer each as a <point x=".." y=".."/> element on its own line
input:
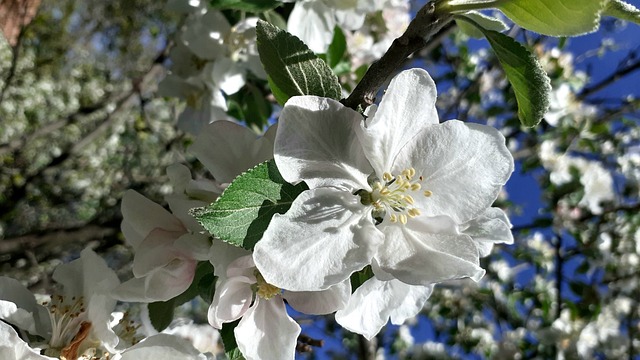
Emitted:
<point x="316" y="142"/>
<point x="492" y="227"/>
<point x="161" y="284"/>
<point x="463" y="165"/>
<point x="227" y="149"/>
<point x="416" y="255"/>
<point x="19" y="307"/>
<point x="266" y="332"/>
<point x="313" y="23"/>
<point x="221" y="255"/>
<point x="407" y="107"/>
<point x="375" y="301"/>
<point x="155" y="251"/>
<point x="320" y="302"/>
<point x="143" y="215"/>
<point x="163" y="346"/>
<point x="14" y="348"/>
<point x="231" y="301"/>
<point x="326" y="235"/>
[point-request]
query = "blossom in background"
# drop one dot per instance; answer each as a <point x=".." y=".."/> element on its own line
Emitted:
<point x="211" y="58"/>
<point x="266" y="331"/>
<point x="74" y="323"/>
<point x="391" y="191"/>
<point x="165" y="347"/>
<point x="596" y="180"/>
<point x="313" y="21"/>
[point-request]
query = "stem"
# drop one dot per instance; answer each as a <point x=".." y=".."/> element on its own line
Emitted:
<point x="428" y="22"/>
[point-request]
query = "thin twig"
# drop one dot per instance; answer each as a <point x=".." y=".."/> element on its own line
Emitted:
<point x="427" y="23"/>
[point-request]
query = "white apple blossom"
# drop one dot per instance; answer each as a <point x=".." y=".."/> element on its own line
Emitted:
<point x="12" y="347"/>
<point x="165" y="347"/>
<point x="75" y="322"/>
<point x="389" y="191"/>
<point x="211" y="59"/>
<point x="313" y="21"/>
<point x="376" y="301"/>
<point x="266" y="331"/>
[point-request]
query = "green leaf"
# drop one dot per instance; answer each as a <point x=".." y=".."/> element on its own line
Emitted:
<point x="358" y="278"/>
<point x="161" y="313"/>
<point x="337" y="48"/>
<point x="555" y="17"/>
<point x="245" y="5"/>
<point x="622" y="10"/>
<point x="229" y="341"/>
<point x="487" y="22"/>
<point x="527" y="77"/>
<point x="242" y="213"/>
<point x="292" y="67"/>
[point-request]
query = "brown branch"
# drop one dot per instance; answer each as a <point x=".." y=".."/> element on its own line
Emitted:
<point x="427" y="23"/>
<point x="620" y="73"/>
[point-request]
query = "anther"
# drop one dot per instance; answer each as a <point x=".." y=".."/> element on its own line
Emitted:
<point x="427" y="193"/>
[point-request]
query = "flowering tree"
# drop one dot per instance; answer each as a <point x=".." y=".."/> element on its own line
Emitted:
<point x="323" y="178"/>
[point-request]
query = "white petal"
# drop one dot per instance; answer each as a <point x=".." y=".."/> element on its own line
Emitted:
<point x="231" y="301"/>
<point x="375" y="301"/>
<point x="325" y="237"/>
<point x="204" y="35"/>
<point x="14" y="348"/>
<point x="228" y="75"/>
<point x="313" y="23"/>
<point x="227" y="149"/>
<point x="492" y="227"/>
<point x="155" y="251"/>
<point x="143" y="215"/>
<point x="463" y="165"/>
<point x="162" y="346"/>
<point x="350" y="19"/>
<point x="18" y="306"/>
<point x="266" y="332"/>
<point x="194" y="246"/>
<point x="221" y="254"/>
<point x="320" y="302"/>
<point x="161" y="284"/>
<point x="212" y="108"/>
<point x="415" y="255"/>
<point x="407" y="108"/>
<point x="316" y="142"/>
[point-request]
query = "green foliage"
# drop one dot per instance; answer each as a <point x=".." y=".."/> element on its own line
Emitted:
<point x="623" y="10"/>
<point x="292" y="68"/>
<point x="161" y="313"/>
<point x="337" y="48"/>
<point x="229" y="341"/>
<point x="358" y="278"/>
<point x="251" y="105"/>
<point x="242" y="213"/>
<point x="245" y="5"/>
<point x="487" y="22"/>
<point x="527" y="77"/>
<point x="554" y="17"/>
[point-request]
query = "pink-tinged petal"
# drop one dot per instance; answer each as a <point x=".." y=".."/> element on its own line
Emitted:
<point x="266" y="332"/>
<point x="162" y="346"/>
<point x="326" y="235"/>
<point x="162" y="284"/>
<point x="407" y="108"/>
<point x="14" y="348"/>
<point x="463" y="165"/>
<point x="320" y="302"/>
<point x="415" y="255"/>
<point x="156" y="251"/>
<point x="143" y="215"/>
<point x="231" y="301"/>
<point x="375" y="301"/>
<point x="221" y="255"/>
<point x="227" y="149"/>
<point x="243" y="266"/>
<point x="19" y="307"/>
<point x="313" y="23"/>
<point x="492" y="227"/>
<point x="316" y="142"/>
<point x="193" y="246"/>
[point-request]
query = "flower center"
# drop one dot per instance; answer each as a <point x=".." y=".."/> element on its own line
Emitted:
<point x="263" y="289"/>
<point x="67" y="315"/>
<point x="393" y="196"/>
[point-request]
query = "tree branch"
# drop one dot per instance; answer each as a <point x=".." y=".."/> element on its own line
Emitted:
<point x="620" y="73"/>
<point x="427" y="23"/>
